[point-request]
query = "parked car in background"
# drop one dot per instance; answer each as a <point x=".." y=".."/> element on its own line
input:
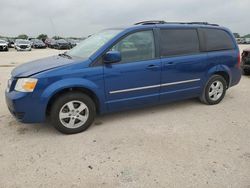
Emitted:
<point x="3" y="45"/>
<point x="72" y="42"/>
<point x="36" y="43"/>
<point x="22" y="45"/>
<point x="241" y="40"/>
<point x="50" y="42"/>
<point x="247" y="40"/>
<point x="238" y="40"/>
<point x="62" y="44"/>
<point x="245" y="61"/>
<point x="11" y="43"/>
<point x="124" y="68"/>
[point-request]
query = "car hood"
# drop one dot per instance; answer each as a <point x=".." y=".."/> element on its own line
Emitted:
<point x="37" y="66"/>
<point x="18" y="44"/>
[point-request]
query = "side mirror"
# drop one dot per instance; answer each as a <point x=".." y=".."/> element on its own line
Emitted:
<point x="112" y="57"/>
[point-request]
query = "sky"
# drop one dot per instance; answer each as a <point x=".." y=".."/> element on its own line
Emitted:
<point x="81" y="18"/>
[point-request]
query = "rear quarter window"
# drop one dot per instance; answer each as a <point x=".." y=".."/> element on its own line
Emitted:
<point x="217" y="40"/>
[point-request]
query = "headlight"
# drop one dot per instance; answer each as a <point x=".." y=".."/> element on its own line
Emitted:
<point x="26" y="84"/>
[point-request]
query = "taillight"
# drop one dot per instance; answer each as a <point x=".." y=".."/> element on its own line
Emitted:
<point x="239" y="61"/>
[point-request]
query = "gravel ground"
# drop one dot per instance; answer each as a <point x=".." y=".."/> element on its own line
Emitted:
<point x="181" y="144"/>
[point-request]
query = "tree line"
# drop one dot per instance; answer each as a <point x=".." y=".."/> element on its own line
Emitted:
<point x="42" y="37"/>
<point x="237" y="35"/>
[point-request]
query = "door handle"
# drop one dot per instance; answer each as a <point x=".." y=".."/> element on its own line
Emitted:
<point x="169" y="63"/>
<point x="152" y="67"/>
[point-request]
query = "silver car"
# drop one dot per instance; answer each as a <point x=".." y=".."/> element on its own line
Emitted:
<point x="3" y="45"/>
<point x="22" y="45"/>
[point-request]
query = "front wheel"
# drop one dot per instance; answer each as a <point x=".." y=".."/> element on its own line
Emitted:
<point x="214" y="90"/>
<point x="73" y="113"/>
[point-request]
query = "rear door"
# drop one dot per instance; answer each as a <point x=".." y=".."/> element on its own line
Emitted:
<point x="183" y="64"/>
<point x="135" y="81"/>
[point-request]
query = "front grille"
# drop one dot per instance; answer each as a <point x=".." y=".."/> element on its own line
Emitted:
<point x="2" y="47"/>
<point x="11" y="84"/>
<point x="23" y="46"/>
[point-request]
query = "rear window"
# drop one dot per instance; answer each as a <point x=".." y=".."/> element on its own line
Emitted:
<point x="218" y="40"/>
<point x="179" y="42"/>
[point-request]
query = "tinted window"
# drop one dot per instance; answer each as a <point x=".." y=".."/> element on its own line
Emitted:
<point x="218" y="40"/>
<point x="179" y="42"/>
<point x="138" y="46"/>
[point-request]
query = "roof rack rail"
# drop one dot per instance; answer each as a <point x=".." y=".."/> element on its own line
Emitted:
<point x="202" y="23"/>
<point x="150" y="22"/>
<point x="163" y="22"/>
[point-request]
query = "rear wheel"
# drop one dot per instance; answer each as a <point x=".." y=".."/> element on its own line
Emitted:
<point x="214" y="90"/>
<point x="73" y="113"/>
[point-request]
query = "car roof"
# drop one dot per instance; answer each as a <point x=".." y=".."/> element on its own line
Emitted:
<point x="162" y="24"/>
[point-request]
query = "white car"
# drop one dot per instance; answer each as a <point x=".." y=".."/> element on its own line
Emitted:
<point x="3" y="45"/>
<point x="22" y="45"/>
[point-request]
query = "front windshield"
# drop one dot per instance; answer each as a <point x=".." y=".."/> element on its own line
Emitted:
<point x="90" y="45"/>
<point x="23" y="42"/>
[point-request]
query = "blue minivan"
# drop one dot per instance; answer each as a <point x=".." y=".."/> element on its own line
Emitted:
<point x="148" y="63"/>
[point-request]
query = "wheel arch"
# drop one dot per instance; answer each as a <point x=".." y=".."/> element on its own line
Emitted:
<point x="83" y="90"/>
<point x="223" y="71"/>
<point x="72" y="85"/>
<point x="225" y="75"/>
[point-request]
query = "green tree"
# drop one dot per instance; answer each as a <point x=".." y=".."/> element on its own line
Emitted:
<point x="57" y="37"/>
<point x="236" y="35"/>
<point x="42" y="37"/>
<point x="247" y="36"/>
<point x="22" y="36"/>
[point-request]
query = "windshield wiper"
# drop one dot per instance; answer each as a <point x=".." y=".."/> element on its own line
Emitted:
<point x="65" y="55"/>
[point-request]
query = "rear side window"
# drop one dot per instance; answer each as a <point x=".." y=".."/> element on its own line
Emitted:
<point x="218" y="40"/>
<point x="179" y="42"/>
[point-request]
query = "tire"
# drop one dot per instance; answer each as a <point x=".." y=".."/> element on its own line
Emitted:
<point x="246" y="71"/>
<point x="7" y="49"/>
<point x="65" y="114"/>
<point x="214" y="91"/>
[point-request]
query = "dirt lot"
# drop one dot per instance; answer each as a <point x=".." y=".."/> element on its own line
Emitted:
<point x="182" y="144"/>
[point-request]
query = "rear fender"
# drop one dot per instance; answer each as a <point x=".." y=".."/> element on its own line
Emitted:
<point x="220" y="68"/>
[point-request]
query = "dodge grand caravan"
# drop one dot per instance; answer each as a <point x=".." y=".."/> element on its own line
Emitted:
<point x="123" y="68"/>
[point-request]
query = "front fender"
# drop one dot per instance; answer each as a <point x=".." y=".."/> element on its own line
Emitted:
<point x="60" y="85"/>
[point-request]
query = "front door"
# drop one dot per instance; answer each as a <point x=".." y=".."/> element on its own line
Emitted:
<point x="135" y="80"/>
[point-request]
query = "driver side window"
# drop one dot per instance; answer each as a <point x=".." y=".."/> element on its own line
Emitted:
<point x="137" y="46"/>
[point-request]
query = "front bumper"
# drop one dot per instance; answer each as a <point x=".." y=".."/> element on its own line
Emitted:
<point x="39" y="46"/>
<point x="25" y="107"/>
<point x="63" y="47"/>
<point x="28" y="48"/>
<point x="3" y="47"/>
